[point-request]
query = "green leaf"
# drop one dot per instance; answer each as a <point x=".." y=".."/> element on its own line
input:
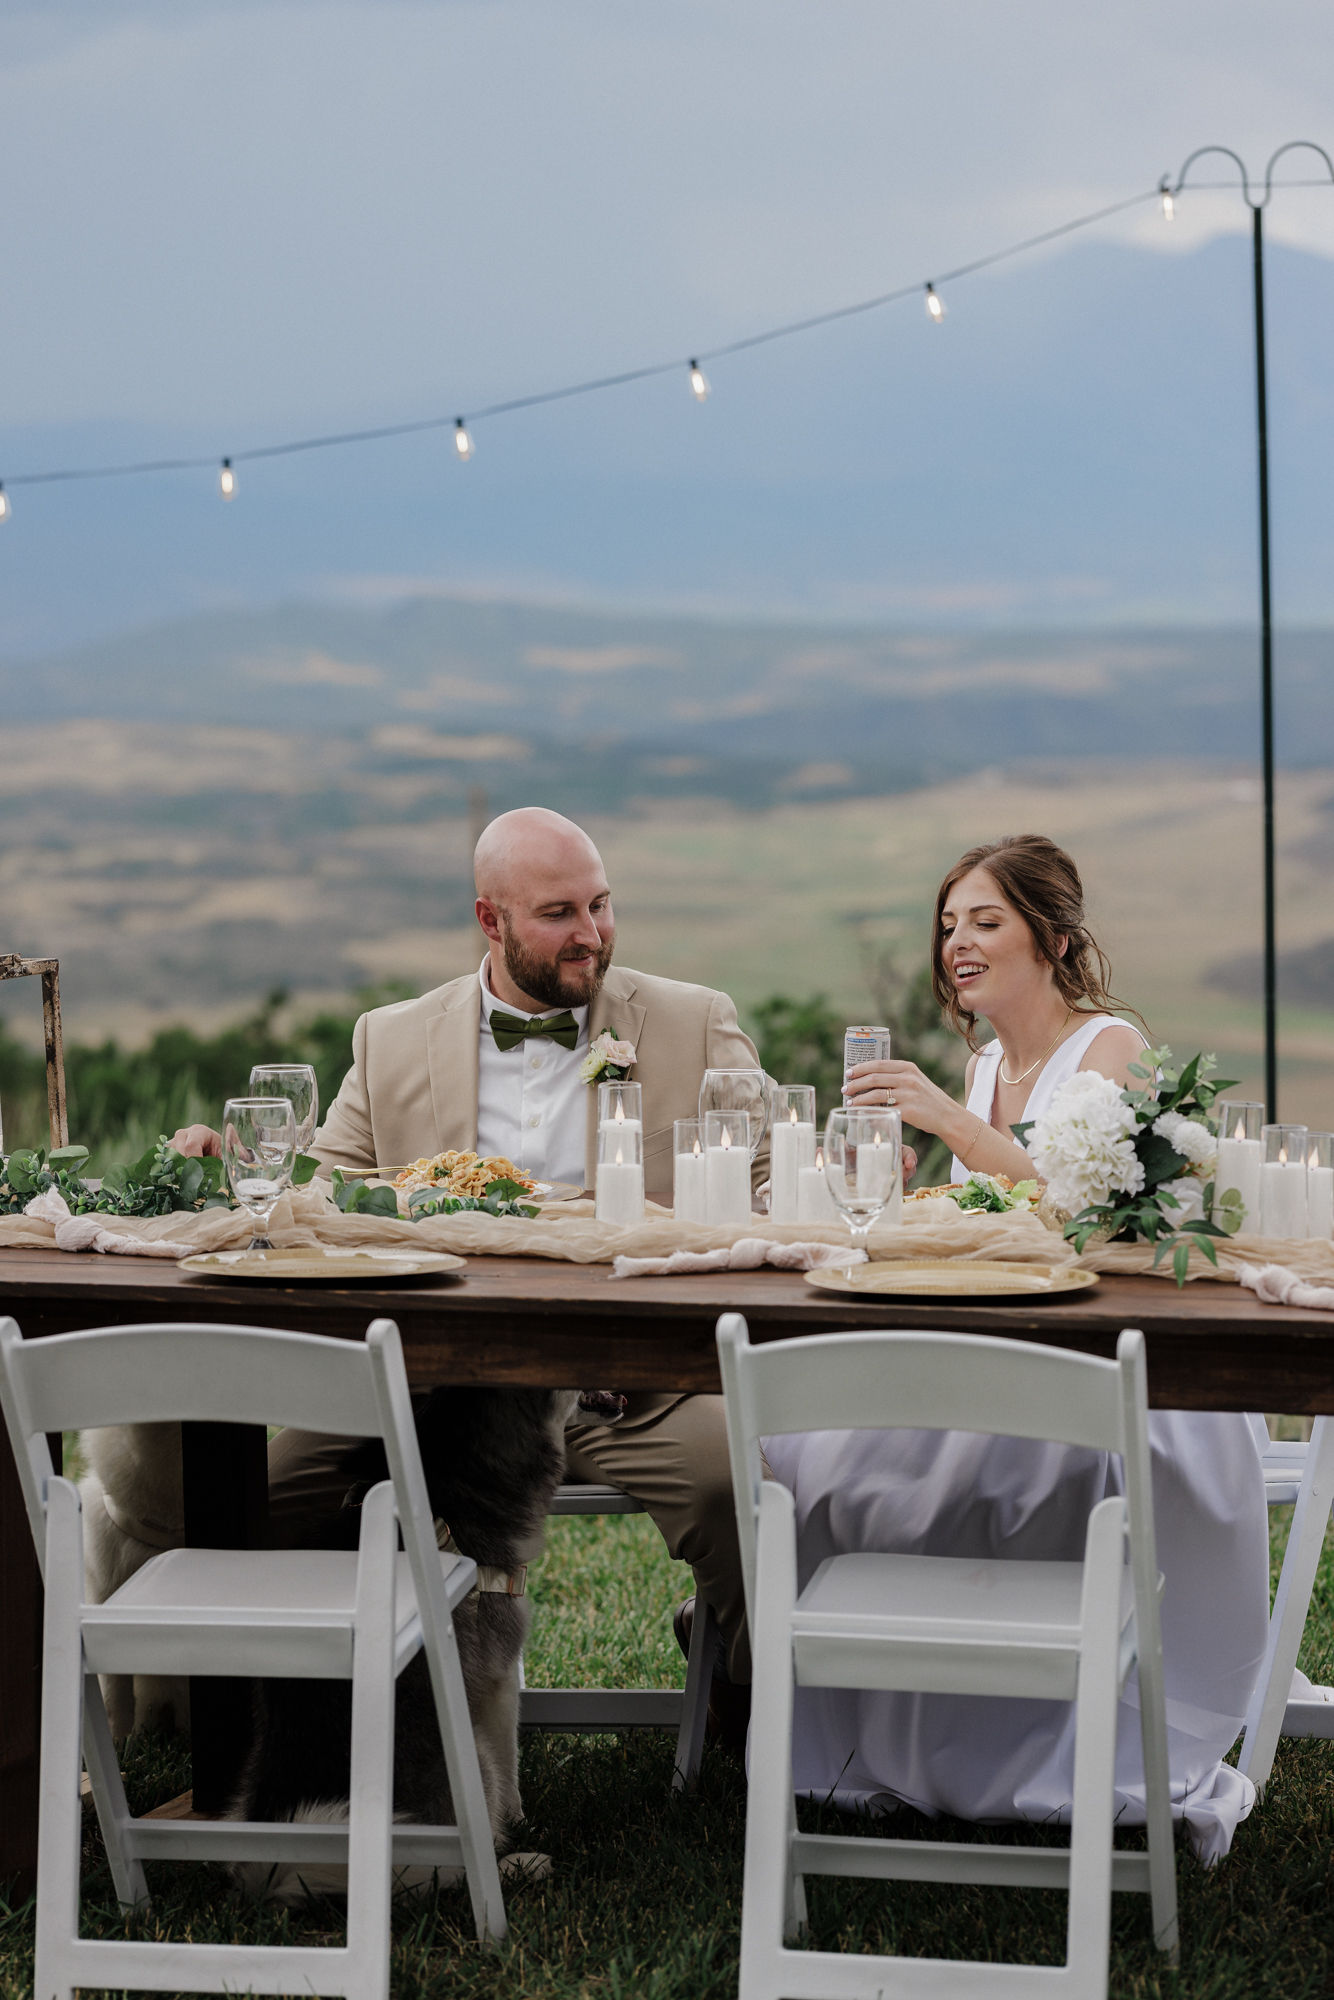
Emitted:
<point x="508" y="1190"/>
<point x="1160" y="1159"/>
<point x="367" y="1200"/>
<point x="304" y="1168"/>
<point x="22" y="1170"/>
<point x="213" y="1172"/>
<point x="68" y="1156"/>
<point x="1180" y="1259"/>
<point x="1138" y="1069"/>
<point x="1186" y="1082"/>
<point x="190" y="1180"/>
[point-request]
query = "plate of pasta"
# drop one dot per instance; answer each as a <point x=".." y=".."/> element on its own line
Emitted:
<point x="465" y="1173"/>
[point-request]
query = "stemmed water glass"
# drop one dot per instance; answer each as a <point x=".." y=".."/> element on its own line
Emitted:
<point x="863" y="1161"/>
<point x="296" y="1082"/>
<point x="738" y="1090"/>
<point x="258" y="1150"/>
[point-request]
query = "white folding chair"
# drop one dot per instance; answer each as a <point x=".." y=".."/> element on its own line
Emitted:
<point x="306" y="1614"/>
<point x="1303" y="1473"/>
<point x="1066" y="1631"/>
<point x="591" y="1710"/>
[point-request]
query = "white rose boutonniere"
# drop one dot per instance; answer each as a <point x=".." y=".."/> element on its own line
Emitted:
<point x="608" y="1060"/>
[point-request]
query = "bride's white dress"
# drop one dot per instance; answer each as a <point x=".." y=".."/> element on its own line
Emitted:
<point x="959" y="1493"/>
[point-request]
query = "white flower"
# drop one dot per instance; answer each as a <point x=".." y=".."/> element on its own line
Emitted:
<point x="1195" y="1142"/>
<point x="1082" y="1144"/>
<point x="606" y="1052"/>
<point x="1190" y="1197"/>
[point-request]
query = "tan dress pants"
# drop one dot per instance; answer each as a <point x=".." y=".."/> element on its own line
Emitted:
<point x="669" y="1453"/>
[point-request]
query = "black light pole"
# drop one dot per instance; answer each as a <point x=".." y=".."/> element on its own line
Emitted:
<point x="1257" y="208"/>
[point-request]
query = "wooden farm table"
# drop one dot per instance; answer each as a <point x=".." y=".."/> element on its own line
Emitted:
<point x="533" y="1322"/>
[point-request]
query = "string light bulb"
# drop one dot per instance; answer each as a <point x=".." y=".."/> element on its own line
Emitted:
<point x="699" y="382"/>
<point x="227" y="480"/>
<point x="5" y="509"/>
<point x="935" y="305"/>
<point x="1169" y="206"/>
<point x="462" y="441"/>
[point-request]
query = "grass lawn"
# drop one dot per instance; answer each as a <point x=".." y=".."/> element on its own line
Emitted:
<point x="645" y="1895"/>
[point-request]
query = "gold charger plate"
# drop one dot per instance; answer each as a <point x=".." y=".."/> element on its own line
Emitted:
<point x="954" y="1278"/>
<point x="342" y="1267"/>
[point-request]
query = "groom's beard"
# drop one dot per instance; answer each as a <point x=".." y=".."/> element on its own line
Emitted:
<point x="554" y="982"/>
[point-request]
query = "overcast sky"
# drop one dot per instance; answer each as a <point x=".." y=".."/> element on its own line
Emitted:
<point x="233" y="222"/>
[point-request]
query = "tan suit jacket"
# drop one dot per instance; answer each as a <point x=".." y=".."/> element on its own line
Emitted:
<point x="412" y="1087"/>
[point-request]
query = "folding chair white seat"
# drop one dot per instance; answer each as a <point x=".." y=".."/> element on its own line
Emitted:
<point x="1061" y="1630"/>
<point x="358" y="1616"/>
<point x="591" y="1710"/>
<point x="1303" y="1474"/>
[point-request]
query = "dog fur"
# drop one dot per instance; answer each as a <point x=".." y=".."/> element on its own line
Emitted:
<point x="132" y="1510"/>
<point x="493" y="1459"/>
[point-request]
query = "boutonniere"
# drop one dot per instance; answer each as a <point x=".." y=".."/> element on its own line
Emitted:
<point x="607" y="1061"/>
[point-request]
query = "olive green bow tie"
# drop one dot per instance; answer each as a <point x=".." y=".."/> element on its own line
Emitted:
<point x="511" y="1029"/>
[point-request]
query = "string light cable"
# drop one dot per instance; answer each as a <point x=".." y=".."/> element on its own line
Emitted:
<point x="1162" y="192"/>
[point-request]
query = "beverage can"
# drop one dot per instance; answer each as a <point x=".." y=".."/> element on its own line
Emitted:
<point x="862" y="1045"/>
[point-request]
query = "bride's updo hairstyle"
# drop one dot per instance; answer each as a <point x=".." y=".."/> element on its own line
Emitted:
<point x="1040" y="881"/>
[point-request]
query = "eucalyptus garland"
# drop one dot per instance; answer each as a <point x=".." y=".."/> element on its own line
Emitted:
<point x="160" y="1182"/>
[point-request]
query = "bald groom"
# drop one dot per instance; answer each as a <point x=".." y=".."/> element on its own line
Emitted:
<point x="433" y="1074"/>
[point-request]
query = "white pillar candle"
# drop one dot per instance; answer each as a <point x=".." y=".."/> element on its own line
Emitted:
<point x="621" y="1125"/>
<point x="791" y="1147"/>
<point x="876" y="1165"/>
<point x="619" y="1193"/>
<point x="1239" y="1162"/>
<point x="690" y="1187"/>
<point x="1283" y="1198"/>
<point x="1320" y="1201"/>
<point x="727" y="1180"/>
<point x="814" y="1201"/>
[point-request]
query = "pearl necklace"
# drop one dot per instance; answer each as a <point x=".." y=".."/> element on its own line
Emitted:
<point x="1041" y="1059"/>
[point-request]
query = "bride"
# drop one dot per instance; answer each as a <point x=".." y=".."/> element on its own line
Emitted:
<point x="1010" y="943"/>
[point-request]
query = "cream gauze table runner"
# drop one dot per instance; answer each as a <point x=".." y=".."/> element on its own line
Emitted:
<point x="307" y="1218"/>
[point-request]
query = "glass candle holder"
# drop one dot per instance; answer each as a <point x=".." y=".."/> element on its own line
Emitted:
<point x="618" y="1192"/>
<point x="738" y="1091"/>
<point x="1320" y="1184"/>
<point x="621" y="1104"/>
<point x="690" y="1201"/>
<point x="1240" y="1156"/>
<point x="791" y="1145"/>
<point x="1283" y="1180"/>
<point x="726" y="1167"/>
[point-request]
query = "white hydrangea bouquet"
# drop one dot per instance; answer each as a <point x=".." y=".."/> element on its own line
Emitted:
<point x="1137" y="1165"/>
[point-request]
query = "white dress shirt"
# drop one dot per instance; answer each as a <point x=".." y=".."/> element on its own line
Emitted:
<point x="532" y="1106"/>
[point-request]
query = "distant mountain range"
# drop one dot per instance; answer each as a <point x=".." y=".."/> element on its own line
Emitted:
<point x="594" y="707"/>
<point x="1073" y="446"/>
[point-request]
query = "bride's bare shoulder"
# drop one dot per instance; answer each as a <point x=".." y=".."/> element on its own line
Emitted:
<point x="1112" y="1051"/>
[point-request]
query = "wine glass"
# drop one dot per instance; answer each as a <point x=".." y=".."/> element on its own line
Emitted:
<point x="738" y="1090"/>
<point x="296" y="1082"/>
<point x="863" y="1160"/>
<point x="258" y="1149"/>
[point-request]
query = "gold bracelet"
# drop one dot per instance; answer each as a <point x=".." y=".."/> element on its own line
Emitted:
<point x="981" y="1128"/>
